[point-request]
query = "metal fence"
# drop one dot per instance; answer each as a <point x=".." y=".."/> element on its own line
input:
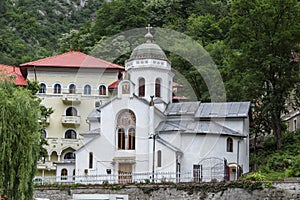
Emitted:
<point x="147" y="177"/>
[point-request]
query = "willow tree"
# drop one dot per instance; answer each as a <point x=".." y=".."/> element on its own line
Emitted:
<point x="20" y="133"/>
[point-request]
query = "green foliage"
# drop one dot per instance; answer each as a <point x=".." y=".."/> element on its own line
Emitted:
<point x="255" y="176"/>
<point x="278" y="164"/>
<point x="20" y="140"/>
<point x="262" y="35"/>
<point x="118" y="16"/>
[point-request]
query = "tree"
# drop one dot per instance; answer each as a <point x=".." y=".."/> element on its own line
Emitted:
<point x="118" y="16"/>
<point x="20" y="133"/>
<point x="262" y="35"/>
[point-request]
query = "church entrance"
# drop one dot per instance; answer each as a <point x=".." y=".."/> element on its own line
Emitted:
<point x="125" y="173"/>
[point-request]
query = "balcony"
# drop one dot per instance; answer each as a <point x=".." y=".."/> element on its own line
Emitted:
<point x="70" y="98"/>
<point x="70" y="120"/>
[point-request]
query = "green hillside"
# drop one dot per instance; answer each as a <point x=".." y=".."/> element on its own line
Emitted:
<point x="30" y="29"/>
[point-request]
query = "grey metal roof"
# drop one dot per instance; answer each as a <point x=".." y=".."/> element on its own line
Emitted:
<point x="187" y="126"/>
<point x="183" y="108"/>
<point x="148" y="50"/>
<point x="169" y="145"/>
<point x="225" y="109"/>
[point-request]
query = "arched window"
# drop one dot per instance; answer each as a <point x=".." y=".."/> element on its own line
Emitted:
<point x="72" y="89"/>
<point x="44" y="134"/>
<point x="64" y="174"/>
<point x="42" y="88"/>
<point x="131" y="139"/>
<point x="159" y="158"/>
<point x="87" y="90"/>
<point x="141" y="87"/>
<point x="157" y="87"/>
<point x="69" y="156"/>
<point x="71" y="111"/>
<point x="121" y="138"/>
<point x="70" y="134"/>
<point x="126" y="127"/>
<point x="229" y="145"/>
<point x="102" y="90"/>
<point x="57" y="89"/>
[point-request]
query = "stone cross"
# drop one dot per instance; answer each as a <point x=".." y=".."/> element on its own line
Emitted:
<point x="149" y="28"/>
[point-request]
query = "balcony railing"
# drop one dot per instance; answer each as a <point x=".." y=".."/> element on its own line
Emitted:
<point x="63" y="141"/>
<point x="71" y="98"/>
<point x="70" y="120"/>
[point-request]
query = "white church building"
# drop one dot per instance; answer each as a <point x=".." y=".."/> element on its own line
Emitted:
<point x="141" y="134"/>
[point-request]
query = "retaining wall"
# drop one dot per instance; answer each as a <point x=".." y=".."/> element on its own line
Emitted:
<point x="218" y="191"/>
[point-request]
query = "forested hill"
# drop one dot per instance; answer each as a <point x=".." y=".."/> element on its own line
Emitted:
<point x="30" y="29"/>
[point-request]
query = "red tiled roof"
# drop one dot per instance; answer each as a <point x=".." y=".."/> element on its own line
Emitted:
<point x="114" y="84"/>
<point x="72" y="59"/>
<point x="12" y="70"/>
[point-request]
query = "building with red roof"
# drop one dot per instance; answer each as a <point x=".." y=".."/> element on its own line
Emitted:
<point x="72" y="83"/>
<point x="15" y="73"/>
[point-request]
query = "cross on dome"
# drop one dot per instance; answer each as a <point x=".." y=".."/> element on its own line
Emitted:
<point x="149" y="36"/>
<point x="149" y="28"/>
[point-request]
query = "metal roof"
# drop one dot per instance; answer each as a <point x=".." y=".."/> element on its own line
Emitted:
<point x="187" y="126"/>
<point x="183" y="108"/>
<point x="224" y="109"/>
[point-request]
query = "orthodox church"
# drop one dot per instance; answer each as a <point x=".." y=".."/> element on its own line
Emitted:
<point x="140" y="131"/>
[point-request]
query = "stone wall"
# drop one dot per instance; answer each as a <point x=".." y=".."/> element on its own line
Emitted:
<point x="218" y="191"/>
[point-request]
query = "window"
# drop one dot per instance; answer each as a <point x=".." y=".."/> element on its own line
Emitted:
<point x="42" y="88"/>
<point x="141" y="87"/>
<point x="159" y="158"/>
<point x="295" y="125"/>
<point x="131" y="139"/>
<point x="71" y="111"/>
<point x="126" y="127"/>
<point x="91" y="160"/>
<point x="87" y="90"/>
<point x="102" y="90"/>
<point x="157" y="87"/>
<point x="72" y="89"/>
<point x="70" y="134"/>
<point x="69" y="156"/>
<point x="57" y="89"/>
<point x="44" y="134"/>
<point x="229" y="145"/>
<point x="197" y="173"/>
<point x="64" y="174"/>
<point x="121" y="138"/>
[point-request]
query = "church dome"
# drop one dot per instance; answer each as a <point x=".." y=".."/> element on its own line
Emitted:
<point x="148" y="50"/>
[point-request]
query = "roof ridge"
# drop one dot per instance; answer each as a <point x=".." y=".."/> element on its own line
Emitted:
<point x="47" y="58"/>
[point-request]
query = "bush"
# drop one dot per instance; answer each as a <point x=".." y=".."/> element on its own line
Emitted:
<point x="255" y="176"/>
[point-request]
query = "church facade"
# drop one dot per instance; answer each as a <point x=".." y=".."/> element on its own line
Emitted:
<point x="141" y="131"/>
